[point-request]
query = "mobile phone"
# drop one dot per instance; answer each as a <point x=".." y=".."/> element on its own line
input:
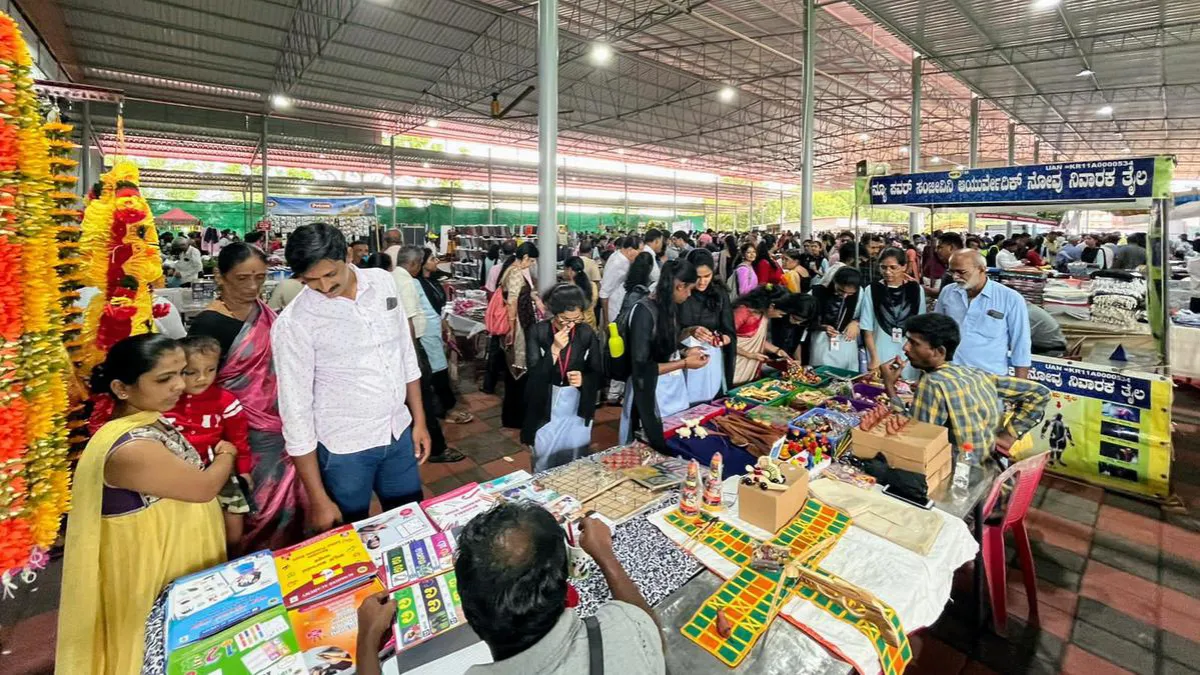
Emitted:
<point x="927" y="505"/>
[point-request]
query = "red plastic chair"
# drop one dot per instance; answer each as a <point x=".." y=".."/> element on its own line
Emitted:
<point x="1024" y="476"/>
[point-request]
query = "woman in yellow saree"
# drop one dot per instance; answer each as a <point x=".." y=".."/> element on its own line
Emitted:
<point x="144" y="511"/>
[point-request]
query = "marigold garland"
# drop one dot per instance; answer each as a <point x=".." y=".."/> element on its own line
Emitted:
<point x="34" y="475"/>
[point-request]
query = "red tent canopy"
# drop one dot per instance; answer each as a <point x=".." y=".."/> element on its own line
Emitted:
<point x="178" y="216"/>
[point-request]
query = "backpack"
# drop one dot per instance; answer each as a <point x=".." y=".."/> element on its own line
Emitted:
<point x="495" y="317"/>
<point x="732" y="283"/>
<point x="620" y="367"/>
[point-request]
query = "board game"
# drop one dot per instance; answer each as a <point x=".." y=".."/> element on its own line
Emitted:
<point x="208" y="602"/>
<point x="621" y="501"/>
<point x="418" y="559"/>
<point x="427" y="608"/>
<point x="582" y="480"/>
<point x="322" y="566"/>
<point x="327" y="630"/>
<point x="387" y="529"/>
<point x="457" y="507"/>
<point x="633" y="454"/>
<point x="262" y="645"/>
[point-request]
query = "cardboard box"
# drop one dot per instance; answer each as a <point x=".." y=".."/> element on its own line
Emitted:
<point x="939" y="460"/>
<point x="919" y="443"/>
<point x="772" y="509"/>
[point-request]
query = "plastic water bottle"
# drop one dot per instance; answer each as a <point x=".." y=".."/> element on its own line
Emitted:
<point x="962" y="469"/>
<point x="616" y="345"/>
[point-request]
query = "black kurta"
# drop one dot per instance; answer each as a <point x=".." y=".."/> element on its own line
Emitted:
<point x="645" y="356"/>
<point x="713" y="311"/>
<point x="543" y="373"/>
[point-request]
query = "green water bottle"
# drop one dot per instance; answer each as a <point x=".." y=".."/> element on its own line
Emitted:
<point x="616" y="345"/>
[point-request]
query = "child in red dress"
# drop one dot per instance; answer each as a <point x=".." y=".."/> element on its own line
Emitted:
<point x="208" y="415"/>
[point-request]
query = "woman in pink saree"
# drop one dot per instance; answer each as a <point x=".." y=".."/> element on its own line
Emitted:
<point x="241" y="322"/>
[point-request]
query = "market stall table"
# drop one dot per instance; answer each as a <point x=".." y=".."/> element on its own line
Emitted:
<point x="672" y="580"/>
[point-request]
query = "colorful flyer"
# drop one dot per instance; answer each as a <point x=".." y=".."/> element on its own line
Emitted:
<point x="418" y="559"/>
<point x="497" y="485"/>
<point x="208" y="602"/>
<point x="322" y="566"/>
<point x="1106" y="426"/>
<point x="530" y="492"/>
<point x="327" y="630"/>
<point x="262" y="645"/>
<point x="457" y="507"/>
<point x="403" y="523"/>
<point x="427" y="608"/>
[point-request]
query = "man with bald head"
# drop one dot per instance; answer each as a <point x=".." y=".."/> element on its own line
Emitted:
<point x="392" y="243"/>
<point x="992" y="318"/>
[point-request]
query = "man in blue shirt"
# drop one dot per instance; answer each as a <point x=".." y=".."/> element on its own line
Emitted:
<point x="992" y="318"/>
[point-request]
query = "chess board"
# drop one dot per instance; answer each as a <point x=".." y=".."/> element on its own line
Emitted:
<point x="582" y="480"/>
<point x="634" y="454"/>
<point x="622" y="501"/>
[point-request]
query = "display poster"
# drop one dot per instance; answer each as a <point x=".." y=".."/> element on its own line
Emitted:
<point x="1109" y="181"/>
<point x="321" y="206"/>
<point x="1107" y="427"/>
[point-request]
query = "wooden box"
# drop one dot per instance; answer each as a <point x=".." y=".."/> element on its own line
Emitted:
<point x="772" y="509"/>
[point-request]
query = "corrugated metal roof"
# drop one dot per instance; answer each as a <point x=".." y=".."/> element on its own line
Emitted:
<point x="396" y="64"/>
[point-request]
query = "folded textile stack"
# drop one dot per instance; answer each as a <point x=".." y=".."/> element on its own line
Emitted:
<point x="1120" y="310"/>
<point x="1031" y="285"/>
<point x="1133" y="288"/>
<point x="1068" y="300"/>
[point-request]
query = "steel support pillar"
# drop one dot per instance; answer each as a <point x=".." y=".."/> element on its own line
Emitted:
<point x="810" y="102"/>
<point x="547" y="88"/>
<point x="85" y="155"/>
<point x="266" y="187"/>
<point x="491" y="207"/>
<point x="750" y="213"/>
<point x="717" y="203"/>
<point x="914" y="137"/>
<point x="392" y="174"/>
<point x="1037" y="150"/>
<point x="1012" y="160"/>
<point x="973" y="151"/>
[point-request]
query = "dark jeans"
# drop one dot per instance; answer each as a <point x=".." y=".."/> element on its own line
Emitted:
<point x="494" y="365"/>
<point x="390" y="470"/>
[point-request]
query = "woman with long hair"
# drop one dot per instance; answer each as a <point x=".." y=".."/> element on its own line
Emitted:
<point x="519" y="298"/>
<point x="565" y="370"/>
<point x="886" y="305"/>
<point x="657" y="387"/>
<point x="752" y="315"/>
<point x="637" y="281"/>
<point x="241" y="322"/>
<point x="765" y="267"/>
<point x="745" y="279"/>
<point x="833" y="336"/>
<point x="144" y="510"/>
<point x="795" y="274"/>
<point x="575" y="272"/>
<point x="707" y="320"/>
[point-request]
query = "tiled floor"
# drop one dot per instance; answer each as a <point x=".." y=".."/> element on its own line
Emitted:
<point x="1118" y="579"/>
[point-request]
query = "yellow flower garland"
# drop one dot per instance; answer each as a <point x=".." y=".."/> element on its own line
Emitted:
<point x="34" y="479"/>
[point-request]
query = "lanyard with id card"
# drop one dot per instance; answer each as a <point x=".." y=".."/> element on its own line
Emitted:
<point x="897" y="334"/>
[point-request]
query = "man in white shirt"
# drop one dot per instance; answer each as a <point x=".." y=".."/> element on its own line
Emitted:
<point x="392" y="243"/>
<point x="1006" y="257"/>
<point x="187" y="264"/>
<point x="654" y="246"/>
<point x="350" y="430"/>
<point x="612" y="282"/>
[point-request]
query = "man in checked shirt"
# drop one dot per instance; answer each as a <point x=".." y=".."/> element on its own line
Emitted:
<point x="969" y="402"/>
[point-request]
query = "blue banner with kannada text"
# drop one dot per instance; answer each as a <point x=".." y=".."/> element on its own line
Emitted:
<point x="1111" y="181"/>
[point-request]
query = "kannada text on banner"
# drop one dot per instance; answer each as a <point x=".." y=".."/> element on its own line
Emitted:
<point x="1108" y="427"/>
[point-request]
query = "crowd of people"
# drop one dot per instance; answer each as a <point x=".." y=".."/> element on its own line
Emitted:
<point x="262" y="425"/>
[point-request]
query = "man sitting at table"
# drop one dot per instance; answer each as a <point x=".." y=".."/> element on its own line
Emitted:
<point x="967" y="401"/>
<point x="512" y="578"/>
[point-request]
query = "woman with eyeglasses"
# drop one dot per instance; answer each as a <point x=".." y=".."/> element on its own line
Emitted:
<point x="886" y="305"/>
<point x="565" y="370"/>
<point x="833" y="338"/>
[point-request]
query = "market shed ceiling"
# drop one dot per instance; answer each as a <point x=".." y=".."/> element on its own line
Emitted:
<point x="715" y="84"/>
